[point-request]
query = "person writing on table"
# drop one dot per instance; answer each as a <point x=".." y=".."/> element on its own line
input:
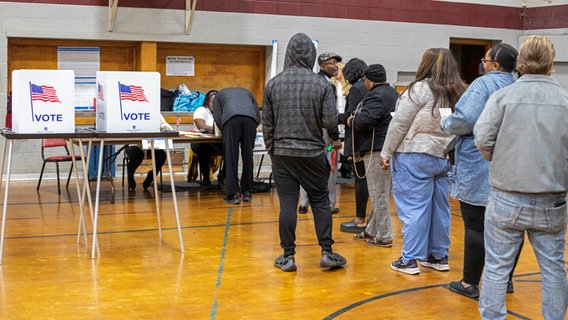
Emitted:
<point x="203" y="120"/>
<point x="236" y="112"/>
<point x="136" y="155"/>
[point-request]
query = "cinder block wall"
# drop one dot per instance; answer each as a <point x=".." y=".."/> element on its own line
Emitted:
<point x="396" y="45"/>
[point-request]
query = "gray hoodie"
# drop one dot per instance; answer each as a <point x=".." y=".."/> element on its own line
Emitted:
<point x="298" y="104"/>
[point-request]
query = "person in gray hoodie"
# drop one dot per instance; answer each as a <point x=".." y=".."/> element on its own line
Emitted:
<point x="297" y="105"/>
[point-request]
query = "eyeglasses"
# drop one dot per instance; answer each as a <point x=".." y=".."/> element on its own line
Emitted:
<point x="486" y="60"/>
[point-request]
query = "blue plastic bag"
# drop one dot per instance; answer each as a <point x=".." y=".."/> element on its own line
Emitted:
<point x="188" y="103"/>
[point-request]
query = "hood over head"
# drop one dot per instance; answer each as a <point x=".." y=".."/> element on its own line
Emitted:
<point x="300" y="52"/>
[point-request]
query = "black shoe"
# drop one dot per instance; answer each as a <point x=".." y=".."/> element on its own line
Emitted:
<point x="471" y="292"/>
<point x="335" y="211"/>
<point x="247" y="197"/>
<point x="510" y="288"/>
<point x="331" y="260"/>
<point x="351" y="227"/>
<point x="148" y="181"/>
<point x="131" y="182"/>
<point x="234" y="199"/>
<point x="285" y="264"/>
<point x="302" y="209"/>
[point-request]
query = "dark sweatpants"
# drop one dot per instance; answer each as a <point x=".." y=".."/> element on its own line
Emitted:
<point x="239" y="130"/>
<point x="312" y="174"/>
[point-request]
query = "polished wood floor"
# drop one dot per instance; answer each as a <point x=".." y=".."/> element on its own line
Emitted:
<point x="227" y="270"/>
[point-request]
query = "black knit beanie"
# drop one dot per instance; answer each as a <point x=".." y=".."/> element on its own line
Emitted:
<point x="354" y="70"/>
<point x="376" y="73"/>
<point x="505" y="55"/>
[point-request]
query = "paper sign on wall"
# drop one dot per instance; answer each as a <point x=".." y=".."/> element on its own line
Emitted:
<point x="43" y="101"/>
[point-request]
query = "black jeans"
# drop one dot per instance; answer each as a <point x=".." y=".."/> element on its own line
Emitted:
<point x="312" y="174"/>
<point x="135" y="157"/>
<point x="239" y="131"/>
<point x="361" y="190"/>
<point x="474" y="248"/>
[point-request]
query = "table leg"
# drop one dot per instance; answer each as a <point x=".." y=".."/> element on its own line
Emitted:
<point x="157" y="199"/>
<point x="97" y="198"/>
<point x="174" y="197"/>
<point x="5" y="207"/>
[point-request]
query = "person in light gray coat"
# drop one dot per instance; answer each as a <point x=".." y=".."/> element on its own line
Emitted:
<point x="523" y="131"/>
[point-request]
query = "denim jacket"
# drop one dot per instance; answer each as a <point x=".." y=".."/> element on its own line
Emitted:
<point x="471" y="171"/>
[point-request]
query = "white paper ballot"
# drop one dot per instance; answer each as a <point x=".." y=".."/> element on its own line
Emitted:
<point x="159" y="144"/>
<point x="444" y="112"/>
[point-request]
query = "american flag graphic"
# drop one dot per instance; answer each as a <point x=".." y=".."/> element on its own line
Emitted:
<point x="100" y="91"/>
<point x="43" y="93"/>
<point x="133" y="93"/>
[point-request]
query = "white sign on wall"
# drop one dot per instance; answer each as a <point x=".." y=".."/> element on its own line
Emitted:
<point x="180" y="66"/>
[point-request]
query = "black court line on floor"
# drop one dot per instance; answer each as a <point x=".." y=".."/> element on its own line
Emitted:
<point x="344" y="310"/>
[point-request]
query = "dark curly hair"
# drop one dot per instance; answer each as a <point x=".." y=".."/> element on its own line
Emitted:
<point x="354" y="70"/>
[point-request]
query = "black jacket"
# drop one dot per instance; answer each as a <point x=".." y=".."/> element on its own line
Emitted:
<point x="375" y="113"/>
<point x="356" y="94"/>
<point x="230" y="102"/>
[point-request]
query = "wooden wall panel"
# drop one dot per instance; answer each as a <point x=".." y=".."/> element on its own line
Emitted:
<point x="216" y="66"/>
<point x="26" y="53"/>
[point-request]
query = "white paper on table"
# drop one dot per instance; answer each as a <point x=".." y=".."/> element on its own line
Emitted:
<point x="444" y="112"/>
<point x="159" y="144"/>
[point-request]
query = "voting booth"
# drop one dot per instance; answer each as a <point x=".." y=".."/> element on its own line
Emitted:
<point x="128" y="101"/>
<point x="43" y="101"/>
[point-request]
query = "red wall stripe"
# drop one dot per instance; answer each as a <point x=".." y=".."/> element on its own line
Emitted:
<point x="413" y="11"/>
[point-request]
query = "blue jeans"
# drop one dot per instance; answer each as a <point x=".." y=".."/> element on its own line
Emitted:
<point x="420" y="188"/>
<point x="507" y="217"/>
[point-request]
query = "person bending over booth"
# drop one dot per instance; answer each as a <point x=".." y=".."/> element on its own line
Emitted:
<point x="236" y="112"/>
<point x="136" y="156"/>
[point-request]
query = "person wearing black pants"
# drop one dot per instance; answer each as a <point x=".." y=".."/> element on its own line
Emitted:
<point x="474" y="248"/>
<point x="354" y="72"/>
<point x="135" y="157"/>
<point x="286" y="175"/>
<point x="239" y="130"/>
<point x="237" y="114"/>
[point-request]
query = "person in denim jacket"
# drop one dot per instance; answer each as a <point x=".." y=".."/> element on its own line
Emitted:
<point x="471" y="171"/>
<point x="523" y="132"/>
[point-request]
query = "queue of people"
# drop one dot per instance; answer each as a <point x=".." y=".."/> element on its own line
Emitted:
<point x="510" y="169"/>
<point x="509" y="176"/>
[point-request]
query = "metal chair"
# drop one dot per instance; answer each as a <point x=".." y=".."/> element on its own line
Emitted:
<point x="66" y="157"/>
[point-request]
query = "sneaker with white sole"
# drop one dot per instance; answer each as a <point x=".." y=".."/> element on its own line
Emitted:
<point x="410" y="267"/>
<point x="436" y="264"/>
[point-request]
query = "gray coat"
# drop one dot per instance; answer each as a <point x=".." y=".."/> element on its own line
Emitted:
<point x="298" y="104"/>
<point x="523" y="130"/>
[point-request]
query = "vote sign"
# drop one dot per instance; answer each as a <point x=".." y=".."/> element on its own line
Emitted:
<point x="43" y="101"/>
<point x="128" y="101"/>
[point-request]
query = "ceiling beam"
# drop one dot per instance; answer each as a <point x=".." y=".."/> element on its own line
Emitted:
<point x="112" y="5"/>
<point x="189" y="10"/>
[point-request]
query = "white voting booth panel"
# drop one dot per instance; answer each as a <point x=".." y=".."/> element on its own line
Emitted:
<point x="43" y="101"/>
<point x="128" y="101"/>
